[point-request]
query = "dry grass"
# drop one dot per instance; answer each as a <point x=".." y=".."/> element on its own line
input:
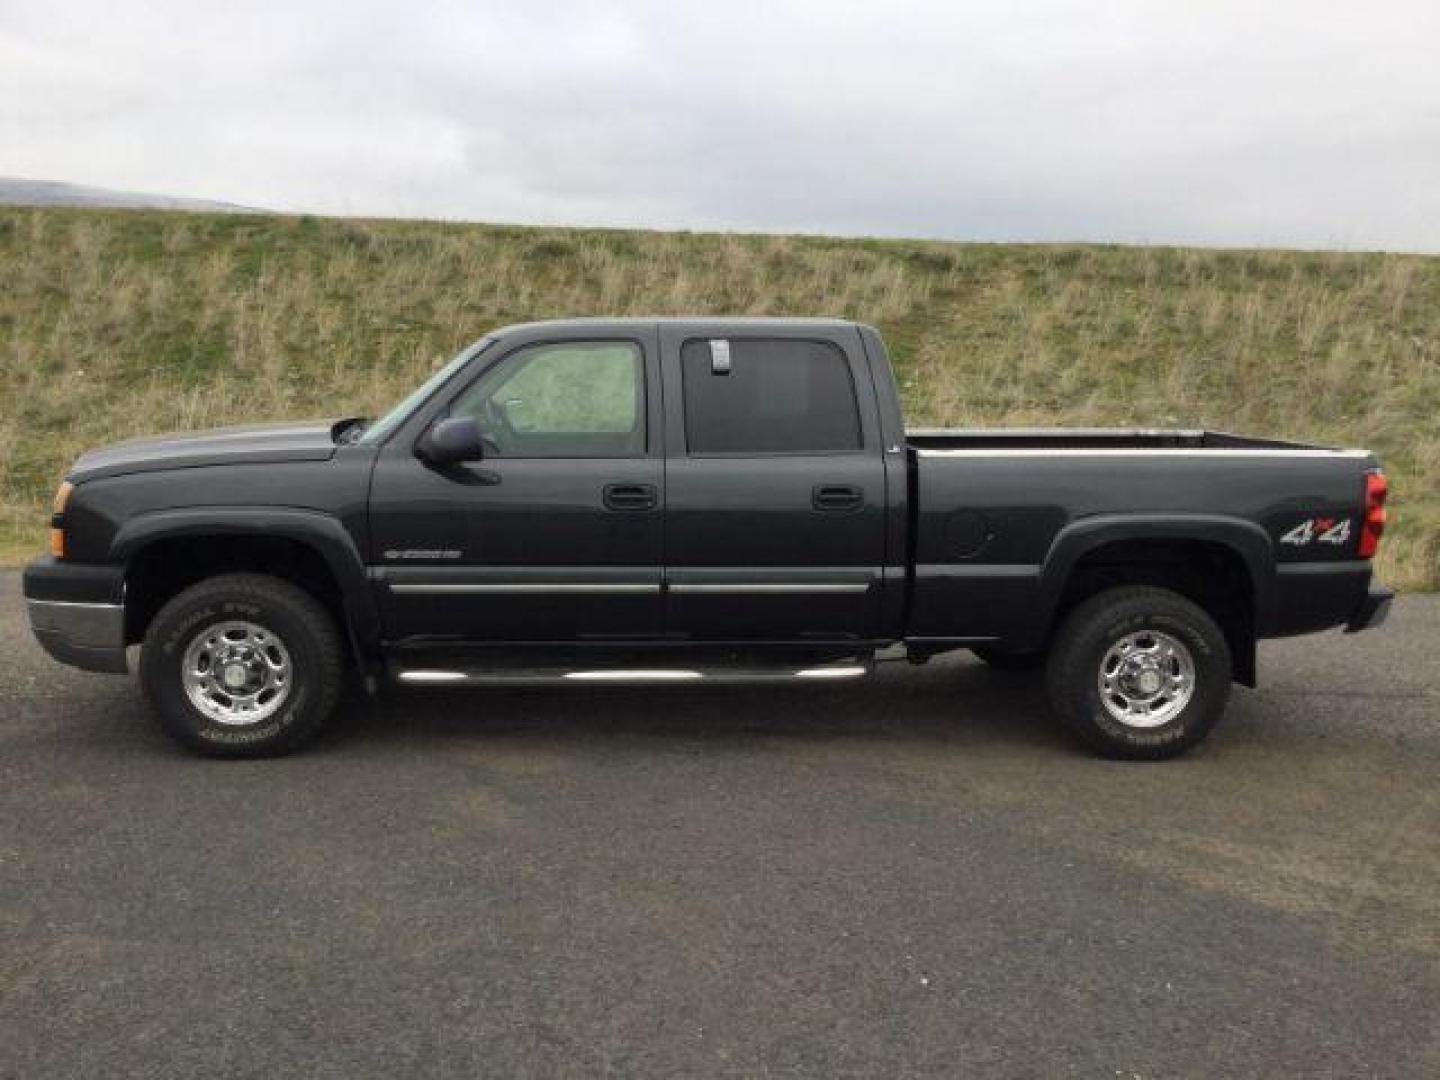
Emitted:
<point x="119" y="323"/>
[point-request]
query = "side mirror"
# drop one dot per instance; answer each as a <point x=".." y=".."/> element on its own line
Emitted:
<point x="451" y="441"/>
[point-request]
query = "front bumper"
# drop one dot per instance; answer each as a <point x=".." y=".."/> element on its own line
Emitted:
<point x="77" y="613"/>
<point x="88" y="636"/>
<point x="1373" y="610"/>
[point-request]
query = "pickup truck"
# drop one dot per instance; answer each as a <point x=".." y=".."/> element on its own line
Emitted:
<point x="656" y="501"/>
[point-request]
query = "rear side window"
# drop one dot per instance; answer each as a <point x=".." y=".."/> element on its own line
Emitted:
<point x="773" y="397"/>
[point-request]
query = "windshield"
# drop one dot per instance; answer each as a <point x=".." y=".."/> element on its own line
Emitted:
<point x="381" y="429"/>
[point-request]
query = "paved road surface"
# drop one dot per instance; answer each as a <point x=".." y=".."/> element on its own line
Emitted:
<point x="916" y="877"/>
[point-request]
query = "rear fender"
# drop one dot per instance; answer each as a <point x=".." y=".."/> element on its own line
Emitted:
<point x="1245" y="539"/>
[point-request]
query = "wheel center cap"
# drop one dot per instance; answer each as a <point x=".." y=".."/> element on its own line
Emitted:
<point x="234" y="675"/>
<point x="1149" y="681"/>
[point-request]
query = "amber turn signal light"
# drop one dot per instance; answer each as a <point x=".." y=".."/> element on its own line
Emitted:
<point x="57" y="524"/>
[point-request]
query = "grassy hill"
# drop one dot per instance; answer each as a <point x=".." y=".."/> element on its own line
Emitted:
<point x="119" y="323"/>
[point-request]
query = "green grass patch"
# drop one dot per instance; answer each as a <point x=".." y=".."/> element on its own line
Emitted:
<point x="119" y="323"/>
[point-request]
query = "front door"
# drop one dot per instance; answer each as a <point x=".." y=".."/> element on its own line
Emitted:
<point x="555" y="535"/>
<point x="775" y="485"/>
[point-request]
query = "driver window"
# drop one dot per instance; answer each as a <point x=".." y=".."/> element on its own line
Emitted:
<point x="576" y="399"/>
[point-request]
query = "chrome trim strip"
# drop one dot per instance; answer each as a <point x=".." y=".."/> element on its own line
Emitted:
<point x="64" y="626"/>
<point x="1057" y="433"/>
<point x="73" y="604"/>
<point x="772" y="587"/>
<point x="855" y="671"/>
<point x="1136" y="451"/>
<point x="559" y="588"/>
<point x="91" y="625"/>
<point x="1335" y="566"/>
<point x="1008" y="571"/>
<point x="555" y="588"/>
<point x="646" y="675"/>
<point x="432" y="676"/>
<point x="627" y="676"/>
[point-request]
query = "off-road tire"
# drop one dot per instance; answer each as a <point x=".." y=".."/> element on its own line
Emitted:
<point x="309" y="635"/>
<point x="1073" y="671"/>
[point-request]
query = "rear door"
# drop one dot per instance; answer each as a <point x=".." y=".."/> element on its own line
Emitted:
<point x="775" y="484"/>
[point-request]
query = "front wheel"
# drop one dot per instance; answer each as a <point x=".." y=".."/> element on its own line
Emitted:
<point x="242" y="665"/>
<point x="1139" y="673"/>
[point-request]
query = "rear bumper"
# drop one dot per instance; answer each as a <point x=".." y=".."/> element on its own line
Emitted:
<point x="1315" y="596"/>
<point x="1373" y="610"/>
<point x="77" y="613"/>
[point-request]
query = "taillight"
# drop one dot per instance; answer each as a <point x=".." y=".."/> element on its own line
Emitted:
<point x="1372" y="526"/>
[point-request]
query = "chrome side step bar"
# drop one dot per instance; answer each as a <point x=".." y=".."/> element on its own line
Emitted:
<point x="517" y="676"/>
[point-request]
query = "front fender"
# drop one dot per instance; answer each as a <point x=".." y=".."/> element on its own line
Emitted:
<point x="320" y="532"/>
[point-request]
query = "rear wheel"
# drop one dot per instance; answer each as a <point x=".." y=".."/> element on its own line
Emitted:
<point x="242" y="665"/>
<point x="1139" y="673"/>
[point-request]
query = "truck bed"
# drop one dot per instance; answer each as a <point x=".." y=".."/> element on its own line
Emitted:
<point x="1090" y="438"/>
<point x="995" y="512"/>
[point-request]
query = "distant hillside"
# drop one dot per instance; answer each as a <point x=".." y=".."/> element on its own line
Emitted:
<point x="115" y="324"/>
<point x="18" y="192"/>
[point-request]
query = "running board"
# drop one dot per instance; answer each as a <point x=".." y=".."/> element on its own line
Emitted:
<point x="518" y="676"/>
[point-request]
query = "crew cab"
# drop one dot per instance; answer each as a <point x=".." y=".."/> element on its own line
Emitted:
<point x="688" y="501"/>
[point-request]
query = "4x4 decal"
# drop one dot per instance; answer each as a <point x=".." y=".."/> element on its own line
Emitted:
<point x="1321" y="530"/>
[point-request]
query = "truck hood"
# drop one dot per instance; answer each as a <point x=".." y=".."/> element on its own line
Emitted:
<point x="252" y="445"/>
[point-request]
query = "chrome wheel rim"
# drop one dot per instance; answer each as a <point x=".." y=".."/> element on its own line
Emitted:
<point x="237" y="672"/>
<point x="1146" y="679"/>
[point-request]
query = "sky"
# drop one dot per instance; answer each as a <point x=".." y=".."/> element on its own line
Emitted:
<point x="1260" y="123"/>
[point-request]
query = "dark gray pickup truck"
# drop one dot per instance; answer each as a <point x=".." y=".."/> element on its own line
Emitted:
<point x="694" y="500"/>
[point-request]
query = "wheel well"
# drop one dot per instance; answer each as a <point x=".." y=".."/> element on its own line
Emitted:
<point x="1211" y="574"/>
<point x="163" y="569"/>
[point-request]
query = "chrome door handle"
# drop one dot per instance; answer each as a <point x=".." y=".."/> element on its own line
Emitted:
<point x="631" y="496"/>
<point x="837" y="497"/>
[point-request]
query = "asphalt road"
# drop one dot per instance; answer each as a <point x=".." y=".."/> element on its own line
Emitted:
<point x="918" y="876"/>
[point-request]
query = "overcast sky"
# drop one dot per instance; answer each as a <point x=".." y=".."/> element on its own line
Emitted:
<point x="1312" y="123"/>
